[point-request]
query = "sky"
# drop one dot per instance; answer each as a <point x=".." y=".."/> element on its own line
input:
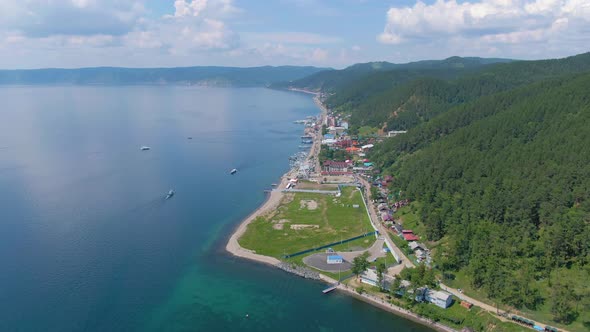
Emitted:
<point x="245" y="33"/>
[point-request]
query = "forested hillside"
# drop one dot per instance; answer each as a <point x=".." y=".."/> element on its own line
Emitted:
<point x="501" y="180"/>
<point x="371" y="77"/>
<point x="392" y="104"/>
<point x="329" y="81"/>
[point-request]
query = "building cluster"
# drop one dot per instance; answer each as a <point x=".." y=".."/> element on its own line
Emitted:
<point x="337" y="140"/>
<point x="423" y="294"/>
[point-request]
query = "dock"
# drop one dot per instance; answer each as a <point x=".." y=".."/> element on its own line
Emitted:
<point x="331" y="288"/>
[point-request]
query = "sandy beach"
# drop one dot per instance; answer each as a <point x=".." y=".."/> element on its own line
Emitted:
<point x="272" y="201"/>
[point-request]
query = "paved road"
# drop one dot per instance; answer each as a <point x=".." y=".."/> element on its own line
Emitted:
<point x="375" y="251"/>
<point x="375" y="219"/>
<point x="408" y="263"/>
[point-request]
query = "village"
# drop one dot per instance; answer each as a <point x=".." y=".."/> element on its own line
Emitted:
<point x="338" y="219"/>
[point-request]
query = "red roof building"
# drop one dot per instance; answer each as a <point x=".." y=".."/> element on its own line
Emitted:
<point x="410" y="237"/>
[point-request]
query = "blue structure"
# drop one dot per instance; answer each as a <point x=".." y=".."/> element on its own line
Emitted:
<point x="329" y="136"/>
<point x="334" y="259"/>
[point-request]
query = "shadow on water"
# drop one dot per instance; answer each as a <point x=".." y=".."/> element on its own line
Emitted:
<point x="248" y="164"/>
<point x="145" y="207"/>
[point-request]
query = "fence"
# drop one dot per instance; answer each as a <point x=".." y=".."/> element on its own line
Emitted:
<point x="331" y="244"/>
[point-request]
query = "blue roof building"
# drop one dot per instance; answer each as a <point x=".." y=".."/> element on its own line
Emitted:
<point x="334" y="259"/>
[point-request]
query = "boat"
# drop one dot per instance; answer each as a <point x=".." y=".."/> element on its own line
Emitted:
<point x="145" y="148"/>
<point x="170" y="194"/>
<point x="233" y="171"/>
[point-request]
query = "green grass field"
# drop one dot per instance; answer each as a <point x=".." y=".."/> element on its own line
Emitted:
<point x="333" y="219"/>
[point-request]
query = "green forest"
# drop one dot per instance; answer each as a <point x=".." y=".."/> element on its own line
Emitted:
<point x="498" y="158"/>
<point x="404" y="98"/>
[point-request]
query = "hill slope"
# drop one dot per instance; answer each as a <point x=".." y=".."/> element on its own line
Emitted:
<point x="501" y="182"/>
<point x="424" y="96"/>
<point x="332" y="81"/>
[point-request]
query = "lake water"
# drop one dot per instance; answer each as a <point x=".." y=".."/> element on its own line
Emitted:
<point x="88" y="243"/>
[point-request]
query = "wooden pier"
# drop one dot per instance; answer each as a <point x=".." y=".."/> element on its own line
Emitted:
<point x="331" y="288"/>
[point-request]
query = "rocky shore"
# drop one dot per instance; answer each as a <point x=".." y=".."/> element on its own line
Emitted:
<point x="301" y="271"/>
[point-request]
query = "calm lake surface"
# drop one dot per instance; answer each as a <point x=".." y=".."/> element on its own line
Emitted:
<point x="88" y="243"/>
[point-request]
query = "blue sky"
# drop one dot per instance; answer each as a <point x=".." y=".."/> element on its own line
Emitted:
<point x="335" y="33"/>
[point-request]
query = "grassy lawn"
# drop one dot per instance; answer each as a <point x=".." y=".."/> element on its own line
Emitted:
<point x="328" y="218"/>
<point x="411" y="220"/>
<point x="389" y="260"/>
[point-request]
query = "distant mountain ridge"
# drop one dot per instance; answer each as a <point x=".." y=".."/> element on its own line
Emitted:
<point x="330" y="81"/>
<point x="199" y="75"/>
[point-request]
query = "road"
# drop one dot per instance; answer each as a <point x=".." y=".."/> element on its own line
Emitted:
<point x="382" y="229"/>
<point x="486" y="306"/>
<point x="408" y="263"/>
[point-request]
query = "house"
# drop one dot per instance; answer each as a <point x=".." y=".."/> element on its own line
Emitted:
<point x="370" y="277"/>
<point x="439" y="298"/>
<point x="385" y="216"/>
<point x="334" y="259"/>
<point x="335" y="166"/>
<point x="397" y="228"/>
<point x="421" y="294"/>
<point x="420" y="254"/>
<point x="404" y="286"/>
<point x="408" y="235"/>
<point x="414" y="245"/>
<point x="329" y="141"/>
<point x="352" y="149"/>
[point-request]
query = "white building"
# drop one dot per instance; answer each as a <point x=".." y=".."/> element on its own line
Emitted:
<point x="370" y="277"/>
<point x="439" y="298"/>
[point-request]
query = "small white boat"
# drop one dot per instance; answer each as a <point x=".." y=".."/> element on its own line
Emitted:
<point x="145" y="148"/>
<point x="170" y="194"/>
<point x="233" y="171"/>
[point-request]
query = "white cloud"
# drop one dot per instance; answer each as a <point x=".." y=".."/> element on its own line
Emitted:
<point x="42" y="18"/>
<point x="488" y="23"/>
<point x="302" y="38"/>
<point x="319" y="55"/>
<point x="202" y="7"/>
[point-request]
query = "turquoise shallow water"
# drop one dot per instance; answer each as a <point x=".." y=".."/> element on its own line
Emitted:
<point x="87" y="242"/>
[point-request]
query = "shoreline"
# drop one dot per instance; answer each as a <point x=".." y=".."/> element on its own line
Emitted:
<point x="274" y="199"/>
